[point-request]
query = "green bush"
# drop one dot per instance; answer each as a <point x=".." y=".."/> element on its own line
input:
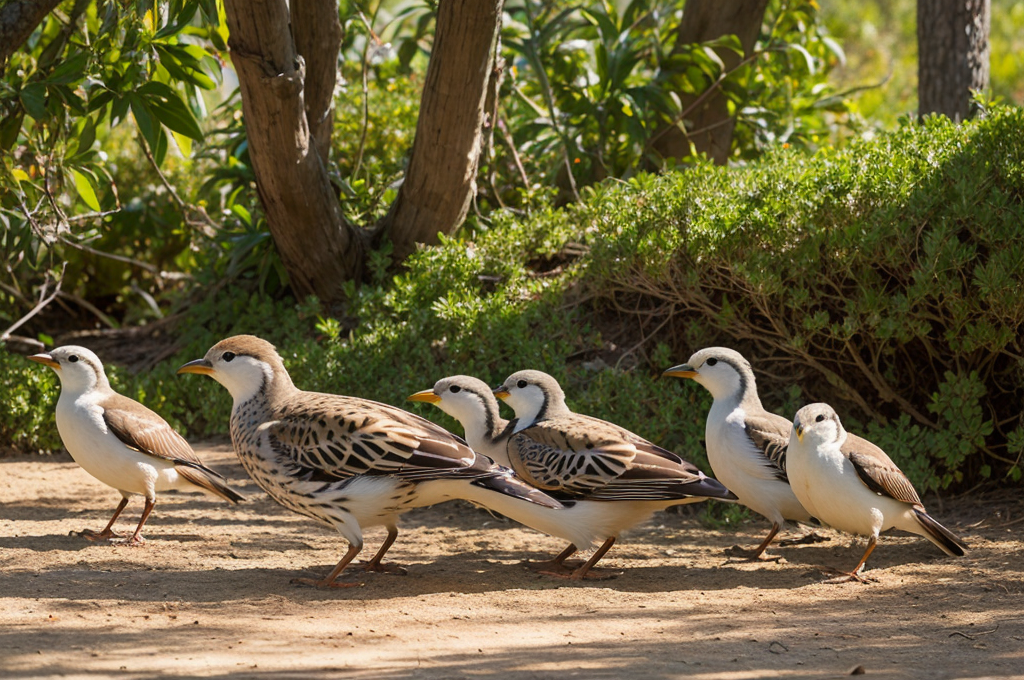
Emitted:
<point x="885" y="278"/>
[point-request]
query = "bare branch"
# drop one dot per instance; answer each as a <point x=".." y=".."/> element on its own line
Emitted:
<point x="43" y="301"/>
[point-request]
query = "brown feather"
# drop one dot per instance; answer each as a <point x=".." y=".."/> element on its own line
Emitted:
<point x="877" y="470"/>
<point x="141" y="429"/>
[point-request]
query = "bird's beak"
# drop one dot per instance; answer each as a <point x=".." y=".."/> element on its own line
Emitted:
<point x="200" y="366"/>
<point x="681" y="371"/>
<point x="426" y="395"/>
<point x="500" y="392"/>
<point x="799" y="433"/>
<point x="45" y="359"/>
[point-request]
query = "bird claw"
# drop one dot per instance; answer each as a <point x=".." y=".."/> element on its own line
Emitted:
<point x="807" y="539"/>
<point x="751" y="555"/>
<point x="383" y="568"/>
<point x="324" y="583"/>
<point x="846" y="576"/>
<point x="91" y="535"/>
<point x="130" y="541"/>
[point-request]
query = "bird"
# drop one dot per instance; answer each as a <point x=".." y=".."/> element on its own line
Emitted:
<point x="746" y="444"/>
<point x="581" y="458"/>
<point x="585" y="524"/>
<point x="852" y="485"/>
<point x="344" y="461"/>
<point x="122" y="443"/>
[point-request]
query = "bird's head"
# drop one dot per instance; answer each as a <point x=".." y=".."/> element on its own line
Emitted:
<point x="78" y="368"/>
<point x="533" y="395"/>
<point x="723" y="371"/>
<point x="817" y="424"/>
<point x="244" y="364"/>
<point x="463" y="397"/>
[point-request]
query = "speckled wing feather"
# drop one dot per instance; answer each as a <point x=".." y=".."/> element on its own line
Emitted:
<point x="770" y="434"/>
<point x="877" y="470"/>
<point x="340" y="437"/>
<point x="143" y="430"/>
<point x="581" y="456"/>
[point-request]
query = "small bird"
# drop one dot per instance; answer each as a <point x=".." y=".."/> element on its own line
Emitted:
<point x="746" y="444"/>
<point x="344" y="461"/>
<point x="121" y="442"/>
<point x="853" y="486"/>
<point x="582" y="458"/>
<point x="583" y="523"/>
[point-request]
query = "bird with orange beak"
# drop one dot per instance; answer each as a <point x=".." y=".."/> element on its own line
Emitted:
<point x="122" y="443"/>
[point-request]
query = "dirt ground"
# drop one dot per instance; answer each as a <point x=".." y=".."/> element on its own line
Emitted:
<point x="209" y="595"/>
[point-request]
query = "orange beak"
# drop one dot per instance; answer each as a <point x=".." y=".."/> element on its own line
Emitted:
<point x="427" y="396"/>
<point x="45" y="359"/>
<point x="200" y="366"/>
<point x="681" y="371"/>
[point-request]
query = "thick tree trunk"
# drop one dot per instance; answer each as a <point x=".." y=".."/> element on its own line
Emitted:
<point x="709" y="126"/>
<point x="318" y="247"/>
<point x="18" y="18"/>
<point x="440" y="181"/>
<point x="953" y="55"/>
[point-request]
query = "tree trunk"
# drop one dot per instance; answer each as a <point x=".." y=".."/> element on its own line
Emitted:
<point x="286" y="106"/>
<point x="18" y="19"/>
<point x="953" y="55"/>
<point x="440" y="181"/>
<point x="709" y="126"/>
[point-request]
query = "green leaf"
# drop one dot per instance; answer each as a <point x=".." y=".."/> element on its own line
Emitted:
<point x="85" y="188"/>
<point x="170" y="110"/>
<point x="70" y="71"/>
<point x="33" y="97"/>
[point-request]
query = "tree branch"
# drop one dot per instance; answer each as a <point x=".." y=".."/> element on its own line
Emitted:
<point x="18" y="19"/>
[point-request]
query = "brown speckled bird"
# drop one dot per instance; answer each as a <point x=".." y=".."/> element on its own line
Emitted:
<point x="345" y="461"/>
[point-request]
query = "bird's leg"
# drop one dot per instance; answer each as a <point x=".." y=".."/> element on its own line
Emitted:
<point x="375" y="562"/>
<point x="855" y="575"/>
<point x="758" y="552"/>
<point x="329" y="581"/>
<point x="108" y="531"/>
<point x="585" y="572"/>
<point x="555" y="566"/>
<point x="136" y="539"/>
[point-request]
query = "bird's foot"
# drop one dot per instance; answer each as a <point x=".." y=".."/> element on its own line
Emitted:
<point x="133" y="541"/>
<point x="751" y="555"/>
<point x="807" y="539"/>
<point x="383" y="568"/>
<point x="91" y="535"/>
<point x="324" y="583"/>
<point x="846" y="576"/>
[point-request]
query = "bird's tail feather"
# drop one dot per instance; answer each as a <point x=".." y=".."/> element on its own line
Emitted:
<point x="209" y="482"/>
<point x="510" y="486"/>
<point x="945" y="539"/>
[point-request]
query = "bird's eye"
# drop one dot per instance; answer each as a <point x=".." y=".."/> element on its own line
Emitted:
<point x="454" y="389"/>
<point x="73" y="358"/>
<point x="819" y="418"/>
<point x="711" y="362"/>
<point x="227" y="356"/>
<point x="521" y="384"/>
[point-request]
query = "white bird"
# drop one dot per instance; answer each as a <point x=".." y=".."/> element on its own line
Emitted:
<point x="853" y="486"/>
<point x="121" y="442"/>
<point x="746" y="444"/>
<point x="348" y="462"/>
<point x="593" y="462"/>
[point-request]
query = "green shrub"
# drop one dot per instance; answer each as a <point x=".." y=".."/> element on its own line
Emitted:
<point x="885" y="278"/>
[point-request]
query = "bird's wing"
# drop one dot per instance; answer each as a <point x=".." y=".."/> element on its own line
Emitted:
<point x="336" y="436"/>
<point x="142" y="430"/>
<point x="877" y="470"/>
<point x="770" y="436"/>
<point x="566" y="455"/>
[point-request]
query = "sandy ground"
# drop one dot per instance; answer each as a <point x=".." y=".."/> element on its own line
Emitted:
<point x="210" y="596"/>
